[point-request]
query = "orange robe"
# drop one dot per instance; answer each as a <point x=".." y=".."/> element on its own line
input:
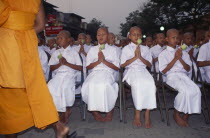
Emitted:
<point x="25" y="100"/>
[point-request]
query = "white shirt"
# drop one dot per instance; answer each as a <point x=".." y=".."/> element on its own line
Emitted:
<point x="110" y="54"/>
<point x="167" y="55"/>
<point x="195" y="50"/>
<point x="204" y="54"/>
<point x="70" y="55"/>
<point x="50" y="51"/>
<point x="44" y="62"/>
<point x="128" y="52"/>
<point x="119" y="50"/>
<point x="156" y="50"/>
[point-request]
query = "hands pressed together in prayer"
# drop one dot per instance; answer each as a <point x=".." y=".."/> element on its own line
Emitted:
<point x="101" y="57"/>
<point x="138" y="53"/>
<point x="63" y="61"/>
<point x="178" y="54"/>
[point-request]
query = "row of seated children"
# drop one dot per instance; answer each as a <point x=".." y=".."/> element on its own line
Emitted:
<point x="100" y="89"/>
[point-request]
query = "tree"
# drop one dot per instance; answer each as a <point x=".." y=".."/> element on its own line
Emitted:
<point x="170" y="14"/>
<point x="93" y="26"/>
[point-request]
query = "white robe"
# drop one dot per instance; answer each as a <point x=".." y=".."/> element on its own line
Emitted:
<point x="155" y="51"/>
<point x="195" y="52"/>
<point x="119" y="51"/>
<point x="188" y="99"/>
<point x="44" y="62"/>
<point x="50" y="51"/>
<point x="86" y="49"/>
<point x="62" y="85"/>
<point x="137" y="76"/>
<point x="204" y="55"/>
<point x="100" y="90"/>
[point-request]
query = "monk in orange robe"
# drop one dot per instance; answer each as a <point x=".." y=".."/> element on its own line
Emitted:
<point x="25" y="100"/>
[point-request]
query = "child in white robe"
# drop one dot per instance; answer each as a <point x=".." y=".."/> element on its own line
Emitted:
<point x="111" y="42"/>
<point x="44" y="62"/>
<point x="157" y="49"/>
<point x="175" y="64"/>
<point x="204" y="57"/>
<point x="100" y="90"/>
<point x="88" y="40"/>
<point x="64" y="63"/>
<point x="135" y="58"/>
<point x="188" y="41"/>
<point x="51" y="43"/>
<point x="82" y="49"/>
<point x="149" y="41"/>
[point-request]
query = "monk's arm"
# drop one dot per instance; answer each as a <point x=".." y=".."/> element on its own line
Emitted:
<point x="147" y="63"/>
<point x="186" y="66"/>
<point x="129" y="61"/>
<point x="40" y="20"/>
<point x="170" y="65"/>
<point x="203" y="63"/>
<point x="54" y="67"/>
<point x="73" y="66"/>
<point x="94" y="64"/>
<point x="110" y="65"/>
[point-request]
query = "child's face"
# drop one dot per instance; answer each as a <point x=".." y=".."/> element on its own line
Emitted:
<point x="81" y="39"/>
<point x="72" y="42"/>
<point x="172" y="39"/>
<point x="88" y="39"/>
<point x="187" y="40"/>
<point x="149" y="41"/>
<point x="134" y="35"/>
<point x="207" y="36"/>
<point x="102" y="36"/>
<point x="50" y="43"/>
<point x="161" y="39"/>
<point x="63" y="40"/>
<point x="111" y="39"/>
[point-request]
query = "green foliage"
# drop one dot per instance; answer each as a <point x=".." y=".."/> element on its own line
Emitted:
<point x="93" y="26"/>
<point x="167" y="13"/>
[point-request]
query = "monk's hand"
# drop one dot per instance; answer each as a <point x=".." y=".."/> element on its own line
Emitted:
<point x="137" y="52"/>
<point x="63" y="61"/>
<point x="101" y="57"/>
<point x="178" y="54"/>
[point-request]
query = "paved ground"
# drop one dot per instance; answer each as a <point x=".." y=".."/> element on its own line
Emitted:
<point x="116" y="129"/>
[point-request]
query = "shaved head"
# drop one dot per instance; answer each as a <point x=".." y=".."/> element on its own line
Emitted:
<point x="187" y="34"/>
<point x="135" y="28"/>
<point x="82" y="34"/>
<point x="170" y="31"/>
<point x="65" y="33"/>
<point x="104" y="29"/>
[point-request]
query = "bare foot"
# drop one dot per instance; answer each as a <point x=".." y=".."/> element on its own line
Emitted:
<point x="98" y="116"/>
<point x="147" y="123"/>
<point x="108" y="116"/>
<point x="61" y="130"/>
<point x="185" y="117"/>
<point x="137" y="119"/>
<point x="179" y="120"/>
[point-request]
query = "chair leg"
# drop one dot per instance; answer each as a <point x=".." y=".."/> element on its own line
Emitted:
<point x="83" y="110"/>
<point x="204" y="115"/>
<point x="124" y="104"/>
<point x="206" y="106"/>
<point x="120" y="95"/>
<point x="165" y="105"/>
<point x="159" y="106"/>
